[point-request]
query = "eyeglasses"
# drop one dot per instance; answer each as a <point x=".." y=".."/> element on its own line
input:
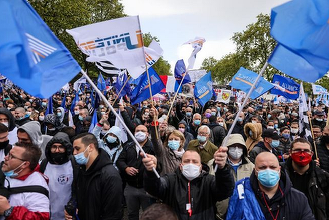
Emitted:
<point x="202" y="134"/>
<point x="59" y="148"/>
<point x="302" y="150"/>
<point x="10" y="156"/>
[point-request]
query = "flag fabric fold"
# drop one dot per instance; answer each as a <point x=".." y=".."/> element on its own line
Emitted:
<point x="304" y="126"/>
<point x="245" y="78"/>
<point x="203" y="90"/>
<point x="49" y="109"/>
<point x="93" y="122"/>
<point x="101" y="84"/>
<point x="180" y="71"/>
<point x="35" y="59"/>
<point x="285" y="87"/>
<point x="121" y="80"/>
<point x="197" y="44"/>
<point x="170" y="83"/>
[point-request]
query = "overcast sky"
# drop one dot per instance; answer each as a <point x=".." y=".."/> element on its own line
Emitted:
<point x="174" y="22"/>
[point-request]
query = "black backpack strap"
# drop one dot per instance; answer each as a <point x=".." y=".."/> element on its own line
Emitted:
<point x="43" y="165"/>
<point x="34" y="188"/>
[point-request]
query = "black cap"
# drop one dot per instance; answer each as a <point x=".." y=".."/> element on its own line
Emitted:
<point x="271" y="133"/>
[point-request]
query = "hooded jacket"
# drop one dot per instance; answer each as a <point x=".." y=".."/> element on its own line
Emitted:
<point x="64" y="140"/>
<point x="12" y="136"/>
<point x="99" y="190"/>
<point x="256" y="129"/>
<point x="33" y="129"/>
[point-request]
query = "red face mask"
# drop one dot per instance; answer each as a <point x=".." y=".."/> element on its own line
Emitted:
<point x="301" y="158"/>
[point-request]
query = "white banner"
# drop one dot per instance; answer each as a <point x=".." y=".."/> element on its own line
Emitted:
<point x="223" y="95"/>
<point x="317" y="89"/>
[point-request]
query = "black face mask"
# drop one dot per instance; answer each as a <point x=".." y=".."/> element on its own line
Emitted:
<point x="4" y="144"/>
<point x="325" y="139"/>
<point x="59" y="158"/>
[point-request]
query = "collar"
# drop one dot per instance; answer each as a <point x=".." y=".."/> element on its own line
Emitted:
<point x="234" y="164"/>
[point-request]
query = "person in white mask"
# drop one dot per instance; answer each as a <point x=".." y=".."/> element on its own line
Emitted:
<point x="191" y="192"/>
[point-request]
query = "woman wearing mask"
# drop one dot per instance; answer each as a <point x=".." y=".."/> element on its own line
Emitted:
<point x="221" y="122"/>
<point x="170" y="152"/>
<point x="284" y="147"/>
<point x="188" y="136"/>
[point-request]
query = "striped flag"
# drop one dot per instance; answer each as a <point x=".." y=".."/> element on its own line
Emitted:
<point x="107" y="67"/>
<point x="304" y="126"/>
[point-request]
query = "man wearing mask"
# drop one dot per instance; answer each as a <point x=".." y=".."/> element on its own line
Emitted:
<point x="8" y="120"/>
<point x="20" y="116"/>
<point x="5" y="147"/>
<point x="202" y="145"/>
<point x="284" y="147"/>
<point x="83" y="113"/>
<point x="188" y="136"/>
<point x="308" y="178"/>
<point x="268" y="194"/>
<point x="194" y="126"/>
<point x="191" y="192"/>
<point x="317" y="132"/>
<point x="294" y="130"/>
<point x="59" y="166"/>
<point x="131" y="167"/>
<point x="319" y="119"/>
<point x="217" y="131"/>
<point x="98" y="186"/>
<point x="323" y="149"/>
<point x="269" y="144"/>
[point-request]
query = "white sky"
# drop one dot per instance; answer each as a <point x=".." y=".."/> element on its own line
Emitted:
<point x="174" y="22"/>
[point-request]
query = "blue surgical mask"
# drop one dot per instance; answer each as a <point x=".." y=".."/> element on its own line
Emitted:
<point x="269" y="116"/>
<point x="276" y="126"/>
<point x="240" y="119"/>
<point x="81" y="159"/>
<point x="197" y="122"/>
<point x="213" y="113"/>
<point x="11" y="173"/>
<point x="250" y="133"/>
<point x="111" y="139"/>
<point x="218" y="109"/>
<point x="173" y="144"/>
<point x="59" y="114"/>
<point x="286" y="136"/>
<point x="275" y="143"/>
<point x="268" y="178"/>
<point x="44" y="104"/>
<point x="80" y="118"/>
<point x="188" y="114"/>
<point x="202" y="139"/>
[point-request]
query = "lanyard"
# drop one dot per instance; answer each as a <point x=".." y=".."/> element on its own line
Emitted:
<point x="189" y="200"/>
<point x="268" y="208"/>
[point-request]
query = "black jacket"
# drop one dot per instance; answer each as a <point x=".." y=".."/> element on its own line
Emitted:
<point x="129" y="158"/>
<point x="11" y="119"/>
<point x="260" y="147"/>
<point x="205" y="191"/>
<point x="318" y="189"/>
<point x="99" y="190"/>
<point x="292" y="204"/>
<point x="323" y="154"/>
<point x="218" y="133"/>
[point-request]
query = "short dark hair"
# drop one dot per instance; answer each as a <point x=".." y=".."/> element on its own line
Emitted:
<point x="3" y="128"/>
<point x="87" y="138"/>
<point x="159" y="211"/>
<point x="301" y="140"/>
<point x="69" y="131"/>
<point x="284" y="128"/>
<point x="32" y="153"/>
<point x="314" y="126"/>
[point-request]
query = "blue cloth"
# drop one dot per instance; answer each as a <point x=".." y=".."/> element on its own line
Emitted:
<point x="93" y="122"/>
<point x="244" y="79"/>
<point x="302" y="31"/>
<point x="101" y="84"/>
<point x="49" y="109"/>
<point x="32" y="56"/>
<point x="291" y="87"/>
<point x="203" y="90"/>
<point x="63" y="102"/>
<point x="74" y="102"/>
<point x="247" y="208"/>
<point x="180" y="70"/>
<point x="142" y="92"/>
<point x="121" y="80"/>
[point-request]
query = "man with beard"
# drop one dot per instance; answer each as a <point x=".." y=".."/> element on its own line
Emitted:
<point x="59" y="166"/>
<point x="323" y="149"/>
<point x="308" y="178"/>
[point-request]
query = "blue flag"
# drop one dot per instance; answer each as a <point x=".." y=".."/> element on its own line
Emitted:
<point x="49" y="109"/>
<point x="288" y="87"/>
<point x="93" y="122"/>
<point x="244" y="79"/>
<point x="142" y="92"/>
<point x="63" y="102"/>
<point x="203" y="90"/>
<point x="101" y="84"/>
<point x="74" y="102"/>
<point x="180" y="71"/>
<point x="121" y="80"/>
<point x="35" y="59"/>
<point x="301" y="29"/>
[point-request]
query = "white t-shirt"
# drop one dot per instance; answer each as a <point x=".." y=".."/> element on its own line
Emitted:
<point x="60" y="181"/>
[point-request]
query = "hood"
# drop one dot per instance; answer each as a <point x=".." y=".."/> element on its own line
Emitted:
<point x="33" y="129"/>
<point x="50" y="118"/>
<point x="11" y="119"/>
<point x="236" y="139"/>
<point x="116" y="131"/>
<point x="63" y="113"/>
<point x="183" y="122"/>
<point x="101" y="160"/>
<point x="61" y="138"/>
<point x="256" y="129"/>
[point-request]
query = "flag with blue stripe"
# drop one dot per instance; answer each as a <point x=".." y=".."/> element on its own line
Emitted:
<point x="287" y="87"/>
<point x="35" y="59"/>
<point x="244" y="79"/>
<point x="203" y="90"/>
<point x="49" y="109"/>
<point x="93" y="122"/>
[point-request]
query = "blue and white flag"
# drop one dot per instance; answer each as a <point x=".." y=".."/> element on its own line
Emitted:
<point x="287" y="87"/>
<point x="301" y="29"/>
<point x="180" y="72"/>
<point x="32" y="56"/>
<point x="122" y="81"/>
<point x="142" y="92"/>
<point x="93" y="122"/>
<point x="244" y="79"/>
<point x="197" y="44"/>
<point x="317" y="89"/>
<point x="203" y="90"/>
<point x="101" y="84"/>
<point x="49" y="109"/>
<point x="74" y="102"/>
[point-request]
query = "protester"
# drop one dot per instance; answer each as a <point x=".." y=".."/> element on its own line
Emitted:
<point x="182" y="127"/>
<point x="253" y="132"/>
<point x="323" y="149"/>
<point x="8" y="120"/>
<point x="5" y="147"/>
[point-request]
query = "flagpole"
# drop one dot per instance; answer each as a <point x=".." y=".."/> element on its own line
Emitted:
<point x="117" y="116"/>
<point x="315" y="149"/>
<point x="121" y="89"/>
<point x="241" y="107"/>
<point x="172" y="103"/>
<point x="148" y="75"/>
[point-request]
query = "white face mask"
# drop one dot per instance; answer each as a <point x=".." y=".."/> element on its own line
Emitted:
<point x="235" y="152"/>
<point x="221" y="123"/>
<point x="294" y="130"/>
<point x="270" y="127"/>
<point x="140" y="136"/>
<point x="191" y="171"/>
<point x="5" y="123"/>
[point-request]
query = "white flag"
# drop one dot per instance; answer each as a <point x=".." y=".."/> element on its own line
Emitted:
<point x="119" y="41"/>
<point x="303" y="118"/>
<point x="124" y="136"/>
<point x="197" y="44"/>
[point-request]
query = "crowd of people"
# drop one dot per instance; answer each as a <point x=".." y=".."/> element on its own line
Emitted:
<point x="56" y="166"/>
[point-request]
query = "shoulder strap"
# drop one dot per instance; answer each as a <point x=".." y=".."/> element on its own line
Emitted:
<point x="43" y="165"/>
<point x="34" y="188"/>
